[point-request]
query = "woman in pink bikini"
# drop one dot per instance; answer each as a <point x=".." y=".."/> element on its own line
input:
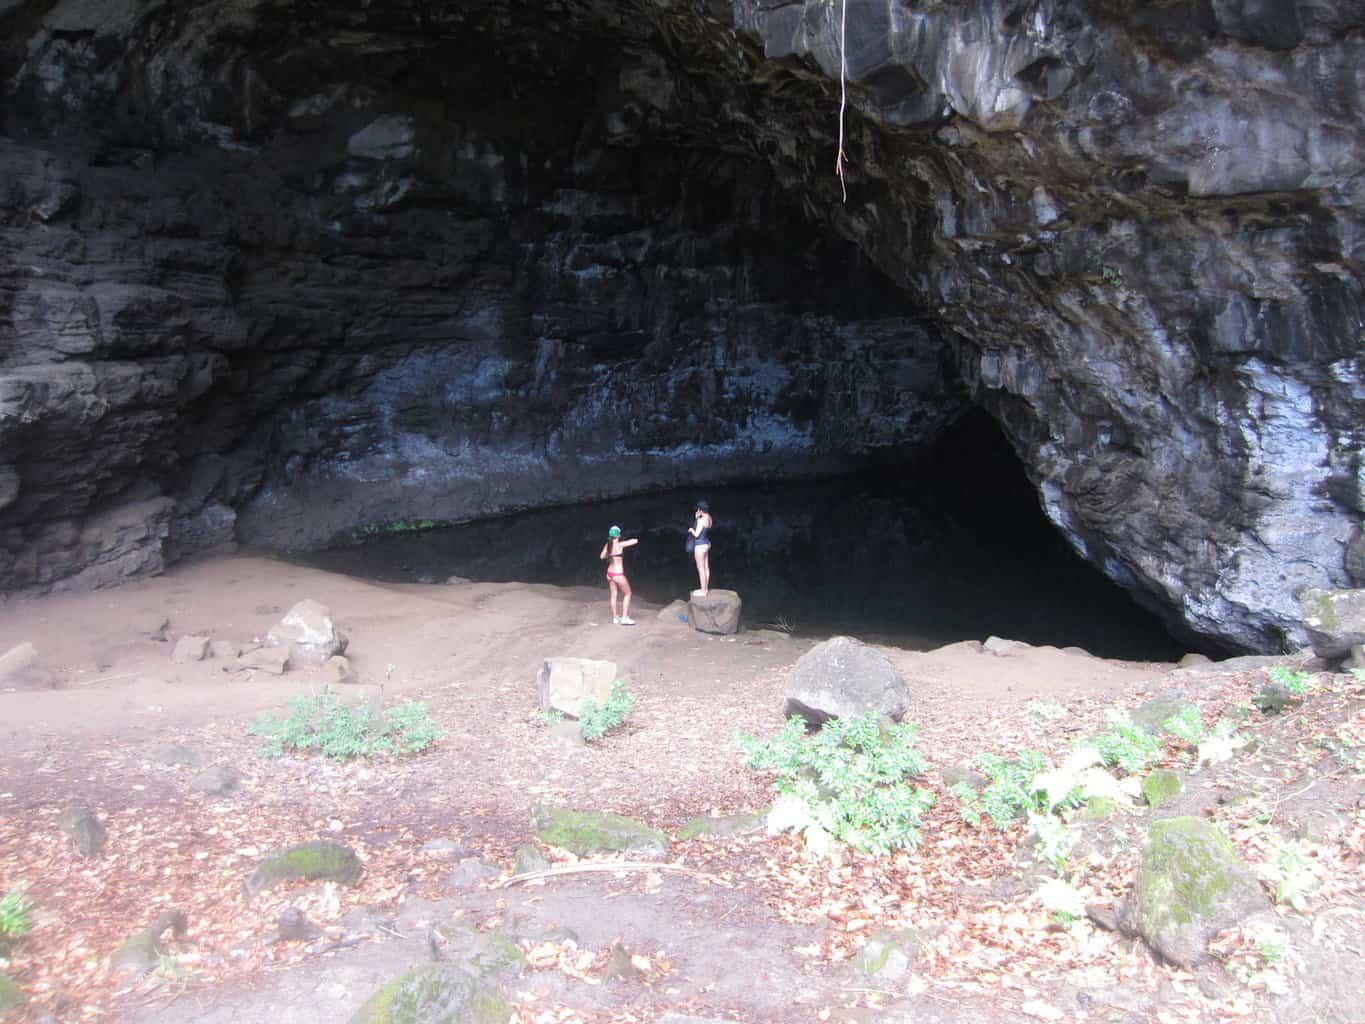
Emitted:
<point x="613" y="553"/>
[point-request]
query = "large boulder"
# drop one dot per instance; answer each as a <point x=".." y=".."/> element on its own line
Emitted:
<point x="1335" y="620"/>
<point x="1191" y="885"/>
<point x="308" y="632"/>
<point x="844" y="677"/>
<point x="562" y="684"/>
<point x="20" y="669"/>
<point x="718" y="612"/>
<point x="439" y="994"/>
<point x="587" y="832"/>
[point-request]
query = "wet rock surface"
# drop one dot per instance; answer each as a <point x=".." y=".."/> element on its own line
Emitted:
<point x="334" y="268"/>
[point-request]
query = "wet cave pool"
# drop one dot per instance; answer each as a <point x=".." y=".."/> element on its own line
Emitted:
<point x="949" y="547"/>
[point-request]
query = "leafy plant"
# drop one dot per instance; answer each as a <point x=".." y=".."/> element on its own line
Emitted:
<point x="1221" y="742"/>
<point x="1127" y="745"/>
<point x="1295" y="681"/>
<point x="1009" y="793"/>
<point x="1187" y="724"/>
<point x="1296" y="877"/>
<point x="1111" y="275"/>
<point x="1043" y="712"/>
<point x="1052" y="842"/>
<point x="550" y="717"/>
<point x="595" y="722"/>
<point x="852" y="778"/>
<point x="16" y="917"/>
<point x="326" y="724"/>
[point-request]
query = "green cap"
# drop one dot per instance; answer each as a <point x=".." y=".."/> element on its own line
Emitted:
<point x="615" y="531"/>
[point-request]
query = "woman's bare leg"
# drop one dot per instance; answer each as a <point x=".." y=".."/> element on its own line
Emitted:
<point x="625" y="607"/>
<point x="702" y="556"/>
<point x="612" y="585"/>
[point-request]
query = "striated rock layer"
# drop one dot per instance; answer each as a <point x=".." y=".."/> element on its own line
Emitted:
<point x="273" y="271"/>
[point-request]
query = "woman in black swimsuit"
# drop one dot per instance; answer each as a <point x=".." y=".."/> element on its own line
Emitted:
<point x="701" y="547"/>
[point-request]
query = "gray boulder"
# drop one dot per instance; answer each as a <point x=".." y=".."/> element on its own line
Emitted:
<point x="273" y="660"/>
<point x="1191" y="885"/>
<point x="718" y="612"/>
<point x="294" y="926"/>
<point x="1335" y="620"/>
<point x="843" y="677"/>
<point x="85" y="830"/>
<point x="562" y="684"/>
<point x="20" y="669"/>
<point x="308" y="633"/>
<point x="471" y="873"/>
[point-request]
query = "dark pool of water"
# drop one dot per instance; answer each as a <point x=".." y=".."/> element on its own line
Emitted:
<point x="951" y="548"/>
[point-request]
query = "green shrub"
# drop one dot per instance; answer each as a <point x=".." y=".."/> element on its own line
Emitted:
<point x="1126" y="745"/>
<point x="595" y="722"/>
<point x="339" y="730"/>
<point x="16" y="917"/>
<point x="852" y="777"/>
<point x="1009" y="793"/>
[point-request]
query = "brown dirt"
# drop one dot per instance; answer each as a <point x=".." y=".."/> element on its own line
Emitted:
<point x="472" y="651"/>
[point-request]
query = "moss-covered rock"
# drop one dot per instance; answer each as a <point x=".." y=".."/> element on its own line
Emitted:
<point x="320" y="859"/>
<point x="1161" y="786"/>
<point x="587" y="832"/>
<point x="441" y="994"/>
<point x="529" y="859"/>
<point x="1099" y="808"/>
<point x="1191" y="885"/>
<point x="1275" y="698"/>
<point x="729" y="825"/>
<point x="12" y="999"/>
<point x="1153" y="715"/>
<point x="888" y="955"/>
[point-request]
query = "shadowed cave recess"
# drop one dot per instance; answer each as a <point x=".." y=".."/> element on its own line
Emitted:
<point x="274" y="272"/>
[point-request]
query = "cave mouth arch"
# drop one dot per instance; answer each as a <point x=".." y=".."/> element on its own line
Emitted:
<point x="945" y="546"/>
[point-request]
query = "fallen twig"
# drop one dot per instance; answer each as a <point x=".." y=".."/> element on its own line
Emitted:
<point x="627" y="865"/>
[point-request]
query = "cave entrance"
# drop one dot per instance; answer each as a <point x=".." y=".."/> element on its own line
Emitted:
<point x="950" y="546"/>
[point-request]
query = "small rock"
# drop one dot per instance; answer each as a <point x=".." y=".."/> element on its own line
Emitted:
<point x="143" y="951"/>
<point x="1161" y="787"/>
<point x="1003" y="648"/>
<point x="1099" y="808"/>
<point x="337" y="670"/>
<point x="1275" y="698"/>
<point x="619" y="966"/>
<point x="12" y="998"/>
<point x="729" y="825"/>
<point x="562" y="684"/>
<point x="224" y="650"/>
<point x="470" y="873"/>
<point x="445" y="846"/>
<point x="843" y="677"/>
<point x="308" y="633"/>
<point x="529" y="859"/>
<point x="316" y="860"/>
<point x="264" y="659"/>
<point x="1193" y="660"/>
<point x="190" y="648"/>
<point x="152" y="625"/>
<point x="176" y="754"/>
<point x="585" y="832"/>
<point x="887" y="955"/>
<point x="1105" y="916"/>
<point x="217" y="781"/>
<point x="566" y="734"/>
<point x="20" y="669"/>
<point x="960" y="773"/>
<point x="1357" y="658"/>
<point x="719" y="612"/>
<point x="1155" y="713"/>
<point x="84" y="829"/>
<point x="674" y="613"/>
<point x="294" y="926"/>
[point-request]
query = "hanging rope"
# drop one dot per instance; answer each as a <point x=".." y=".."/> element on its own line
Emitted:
<point x="843" y="93"/>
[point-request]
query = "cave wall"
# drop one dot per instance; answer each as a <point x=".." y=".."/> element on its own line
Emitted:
<point x="267" y="287"/>
<point x="299" y="267"/>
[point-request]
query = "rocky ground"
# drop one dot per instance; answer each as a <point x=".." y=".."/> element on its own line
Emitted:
<point x="744" y="926"/>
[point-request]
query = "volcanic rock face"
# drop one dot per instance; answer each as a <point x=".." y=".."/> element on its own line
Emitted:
<point x="271" y="272"/>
